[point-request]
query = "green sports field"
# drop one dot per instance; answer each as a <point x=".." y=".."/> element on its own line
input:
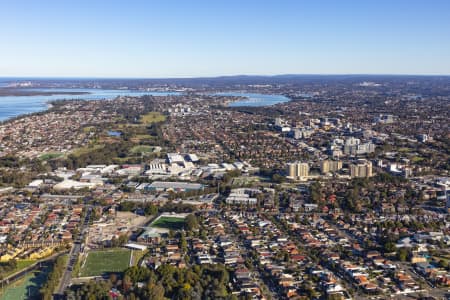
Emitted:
<point x="169" y="223"/>
<point x="152" y="117"/>
<point x="106" y="261"/>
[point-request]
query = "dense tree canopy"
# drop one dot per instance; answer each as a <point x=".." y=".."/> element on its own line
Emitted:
<point x="167" y="281"/>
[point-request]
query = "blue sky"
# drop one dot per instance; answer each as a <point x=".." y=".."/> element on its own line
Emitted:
<point x="169" y="38"/>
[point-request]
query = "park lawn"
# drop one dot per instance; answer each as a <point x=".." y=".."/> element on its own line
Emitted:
<point x="106" y="261"/>
<point x="169" y="223"/>
<point x="137" y="138"/>
<point x="21" y="264"/>
<point x="245" y="180"/>
<point x="88" y="129"/>
<point x="404" y="149"/>
<point x="50" y="155"/>
<point x="137" y="255"/>
<point x="85" y="150"/>
<point x="124" y="126"/>
<point x="152" y="117"/>
<point x="121" y="160"/>
<point x="417" y="159"/>
<point x="141" y="149"/>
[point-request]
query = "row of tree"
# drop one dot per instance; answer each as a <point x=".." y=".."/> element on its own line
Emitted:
<point x="166" y="282"/>
<point x="7" y="266"/>
<point x="53" y="279"/>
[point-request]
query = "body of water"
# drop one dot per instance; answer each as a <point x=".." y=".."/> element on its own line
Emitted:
<point x="255" y="100"/>
<point x="12" y="106"/>
<point x="114" y="133"/>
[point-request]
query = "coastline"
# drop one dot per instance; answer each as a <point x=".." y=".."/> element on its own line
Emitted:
<point x="235" y="99"/>
<point x="47" y="106"/>
<point x="8" y="92"/>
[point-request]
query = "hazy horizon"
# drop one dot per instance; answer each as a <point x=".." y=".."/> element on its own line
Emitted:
<point x="226" y="76"/>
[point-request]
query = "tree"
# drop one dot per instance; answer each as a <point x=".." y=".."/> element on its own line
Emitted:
<point x="191" y="222"/>
<point x="389" y="247"/>
<point x="337" y="296"/>
<point x="316" y="192"/>
<point x="277" y="178"/>
<point x="402" y="254"/>
<point x="113" y="278"/>
<point x="137" y="274"/>
<point x="183" y="243"/>
<point x="443" y="264"/>
<point x="166" y="282"/>
<point x="126" y="283"/>
<point x="151" y="209"/>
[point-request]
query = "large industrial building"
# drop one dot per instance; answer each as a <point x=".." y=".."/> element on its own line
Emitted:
<point x="176" y="186"/>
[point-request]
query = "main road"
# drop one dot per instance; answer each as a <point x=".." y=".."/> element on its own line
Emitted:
<point x="73" y="255"/>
